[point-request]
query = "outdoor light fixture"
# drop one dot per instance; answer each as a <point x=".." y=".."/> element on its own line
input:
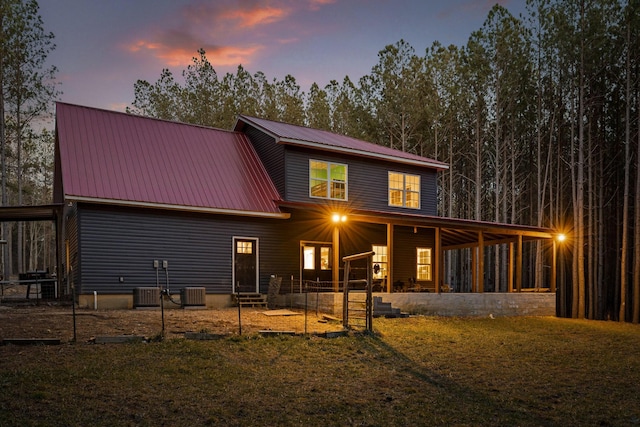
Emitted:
<point x="336" y="217"/>
<point x="562" y="237"/>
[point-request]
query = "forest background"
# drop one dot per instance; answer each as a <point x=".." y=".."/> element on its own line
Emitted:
<point x="537" y="115"/>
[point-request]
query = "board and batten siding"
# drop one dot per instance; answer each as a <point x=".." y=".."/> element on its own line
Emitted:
<point x="271" y="155"/>
<point x="117" y="248"/>
<point x="367" y="180"/>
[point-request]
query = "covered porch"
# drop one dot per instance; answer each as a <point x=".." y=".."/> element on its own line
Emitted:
<point x="406" y="235"/>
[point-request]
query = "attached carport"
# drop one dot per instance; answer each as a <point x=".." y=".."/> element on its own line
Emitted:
<point x="54" y="213"/>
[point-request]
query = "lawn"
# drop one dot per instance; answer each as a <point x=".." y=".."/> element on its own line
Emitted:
<point x="414" y="371"/>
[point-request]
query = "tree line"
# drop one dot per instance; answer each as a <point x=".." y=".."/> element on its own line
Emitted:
<point x="27" y="91"/>
<point x="538" y="116"/>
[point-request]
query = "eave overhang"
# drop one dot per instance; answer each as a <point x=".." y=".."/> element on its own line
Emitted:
<point x="196" y="209"/>
<point x="361" y="153"/>
<point x="455" y="233"/>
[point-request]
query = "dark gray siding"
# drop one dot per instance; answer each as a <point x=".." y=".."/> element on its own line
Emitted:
<point x="404" y="255"/>
<point x="367" y="181"/>
<point x="71" y="235"/>
<point x="123" y="243"/>
<point x="271" y="155"/>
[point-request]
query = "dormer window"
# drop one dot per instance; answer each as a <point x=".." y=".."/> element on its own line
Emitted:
<point x="404" y="190"/>
<point x="327" y="180"/>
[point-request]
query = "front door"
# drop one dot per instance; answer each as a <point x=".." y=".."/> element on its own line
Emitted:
<point x="315" y="259"/>
<point x="245" y="265"/>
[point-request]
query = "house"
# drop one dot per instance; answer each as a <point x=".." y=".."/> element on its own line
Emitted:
<point x="153" y="203"/>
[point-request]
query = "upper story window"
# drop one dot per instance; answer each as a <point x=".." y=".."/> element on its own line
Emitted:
<point x="327" y="180"/>
<point x="404" y="190"/>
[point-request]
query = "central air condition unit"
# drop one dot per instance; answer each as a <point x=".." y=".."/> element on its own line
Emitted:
<point x="193" y="297"/>
<point x="146" y="297"/>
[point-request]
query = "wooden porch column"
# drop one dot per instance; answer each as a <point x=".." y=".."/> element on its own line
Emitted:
<point x="389" y="257"/>
<point x="474" y="269"/>
<point x="480" y="262"/>
<point x="554" y="265"/>
<point x="335" y="250"/>
<point x="519" y="265"/>
<point x="437" y="261"/>
<point x="510" y="269"/>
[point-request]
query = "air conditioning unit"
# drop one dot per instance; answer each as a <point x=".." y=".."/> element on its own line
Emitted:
<point x="193" y="297"/>
<point x="146" y="297"/>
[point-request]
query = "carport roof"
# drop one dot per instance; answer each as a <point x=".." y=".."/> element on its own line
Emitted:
<point x="30" y="213"/>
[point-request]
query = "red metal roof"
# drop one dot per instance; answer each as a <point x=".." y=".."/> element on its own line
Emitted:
<point x="115" y="157"/>
<point x="324" y="140"/>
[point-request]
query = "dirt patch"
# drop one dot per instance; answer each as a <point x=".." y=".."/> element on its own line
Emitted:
<point x="44" y="321"/>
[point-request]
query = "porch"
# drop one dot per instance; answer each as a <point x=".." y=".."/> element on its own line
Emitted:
<point x="436" y="304"/>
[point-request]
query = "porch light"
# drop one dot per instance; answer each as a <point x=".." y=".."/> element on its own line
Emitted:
<point x="336" y="218"/>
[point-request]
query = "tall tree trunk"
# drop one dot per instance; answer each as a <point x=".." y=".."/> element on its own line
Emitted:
<point x="625" y="197"/>
<point x="580" y="179"/>
<point x="636" y="251"/>
<point x="478" y="174"/>
<point x="3" y="160"/>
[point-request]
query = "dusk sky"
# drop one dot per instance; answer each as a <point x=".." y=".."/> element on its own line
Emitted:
<point x="105" y="46"/>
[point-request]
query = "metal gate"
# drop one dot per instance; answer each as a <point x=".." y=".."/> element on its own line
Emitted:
<point x="355" y="311"/>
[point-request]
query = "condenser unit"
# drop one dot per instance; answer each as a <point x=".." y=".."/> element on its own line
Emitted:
<point x="146" y="297"/>
<point x="193" y="297"/>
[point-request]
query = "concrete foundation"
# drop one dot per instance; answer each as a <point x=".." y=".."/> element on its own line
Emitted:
<point x="429" y="304"/>
<point x="120" y="302"/>
<point x="443" y="304"/>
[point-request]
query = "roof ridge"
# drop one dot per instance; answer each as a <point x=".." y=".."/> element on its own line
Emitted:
<point x="140" y="116"/>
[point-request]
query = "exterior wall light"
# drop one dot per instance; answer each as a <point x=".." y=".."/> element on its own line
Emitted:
<point x="336" y="217"/>
<point x="562" y="237"/>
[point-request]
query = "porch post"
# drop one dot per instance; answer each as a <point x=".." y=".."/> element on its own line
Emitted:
<point x="480" y="262"/>
<point x="519" y="265"/>
<point x="510" y="270"/>
<point x="335" y="250"/>
<point x="554" y="265"/>
<point x="389" y="257"/>
<point x="474" y="269"/>
<point x="437" y="261"/>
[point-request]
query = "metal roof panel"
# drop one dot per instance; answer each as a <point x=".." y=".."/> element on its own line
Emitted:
<point x="116" y="156"/>
<point x="322" y="139"/>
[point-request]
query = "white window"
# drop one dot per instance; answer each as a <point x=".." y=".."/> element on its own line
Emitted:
<point x="404" y="190"/>
<point x="423" y="264"/>
<point x="327" y="180"/>
<point x="309" y="253"/>
<point x="381" y="259"/>
<point x="244" y="247"/>
<point x="325" y="258"/>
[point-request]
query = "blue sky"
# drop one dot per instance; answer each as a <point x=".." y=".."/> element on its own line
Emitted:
<point x="104" y="46"/>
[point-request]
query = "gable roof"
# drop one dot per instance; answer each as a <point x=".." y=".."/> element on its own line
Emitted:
<point x="289" y="134"/>
<point x="118" y="158"/>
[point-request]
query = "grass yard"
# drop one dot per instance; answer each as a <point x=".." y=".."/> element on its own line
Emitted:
<point x="413" y="371"/>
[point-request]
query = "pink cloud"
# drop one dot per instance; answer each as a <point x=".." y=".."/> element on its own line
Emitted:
<point x="249" y="18"/>
<point x="317" y="4"/>
<point x="180" y="56"/>
<point x="226" y="30"/>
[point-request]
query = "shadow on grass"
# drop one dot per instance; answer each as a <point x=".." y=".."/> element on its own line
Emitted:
<point x="459" y="401"/>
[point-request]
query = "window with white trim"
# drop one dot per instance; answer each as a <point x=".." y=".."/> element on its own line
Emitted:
<point x="404" y="190"/>
<point x="327" y="180"/>
<point x="423" y="259"/>
<point x="380" y="257"/>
